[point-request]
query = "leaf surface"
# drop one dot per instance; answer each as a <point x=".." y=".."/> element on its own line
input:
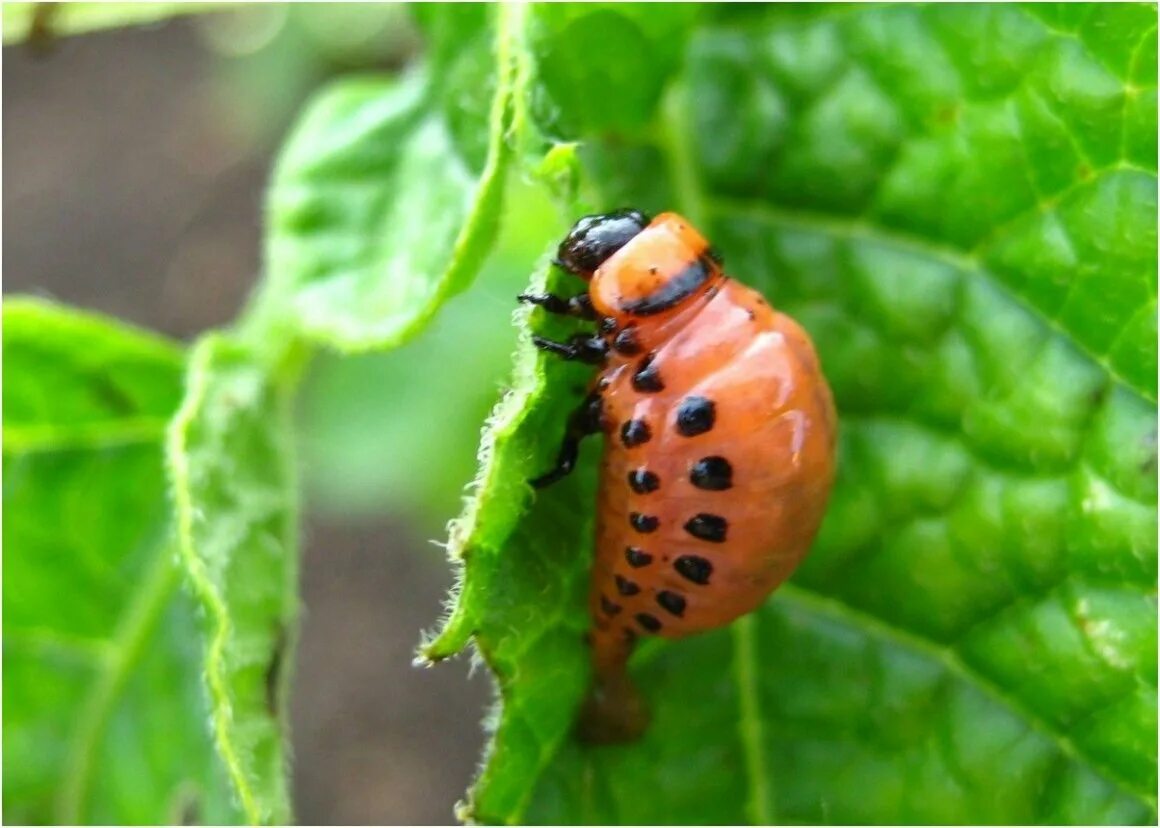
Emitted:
<point x="959" y="204"/>
<point x="376" y="216"/>
<point x="104" y="714"/>
<point x="386" y="198"/>
<point x="231" y="468"/>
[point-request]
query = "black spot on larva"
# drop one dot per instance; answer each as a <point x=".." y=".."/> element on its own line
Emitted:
<point x="695" y="415"/>
<point x="635" y="432"/>
<point x="637" y="557"/>
<point x="626" y="342"/>
<point x="672" y="601"/>
<point x="647" y="379"/>
<point x="694" y="567"/>
<point x="643" y="523"/>
<point x="649" y="622"/>
<point x="642" y="481"/>
<point x="629" y="634"/>
<point x="712" y="473"/>
<point x="607" y="324"/>
<point x="707" y="527"/>
<point x="626" y="587"/>
<point x="608" y="607"/>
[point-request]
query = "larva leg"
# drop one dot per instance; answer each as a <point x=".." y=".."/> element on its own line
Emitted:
<point x="577" y="306"/>
<point x="581" y="347"/>
<point x="583" y="421"/>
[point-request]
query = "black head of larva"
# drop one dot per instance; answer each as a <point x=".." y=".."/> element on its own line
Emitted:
<point x="593" y="239"/>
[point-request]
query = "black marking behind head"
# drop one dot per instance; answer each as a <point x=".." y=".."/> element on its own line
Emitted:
<point x="672" y="601"/>
<point x="647" y="378"/>
<point x="642" y="481"/>
<point x="637" y="557"/>
<point x="713" y="474"/>
<point x="643" y="523"/>
<point x="707" y="527"/>
<point x="593" y="239"/>
<point x="674" y="290"/>
<point x="695" y="415"/>
<point x="608" y="607"/>
<point x="694" y="567"/>
<point x="635" y="432"/>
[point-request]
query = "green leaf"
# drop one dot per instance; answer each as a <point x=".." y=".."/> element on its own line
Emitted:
<point x="603" y="66"/>
<point x="376" y="217"/>
<point x="367" y="443"/>
<point x="230" y="464"/>
<point x="104" y="714"/>
<point x="954" y="201"/>
<point x="383" y="205"/>
<point x="22" y="21"/>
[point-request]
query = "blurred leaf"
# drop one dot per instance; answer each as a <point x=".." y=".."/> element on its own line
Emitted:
<point x="104" y="716"/>
<point x="368" y="443"/>
<point x="230" y="465"/>
<point x="376" y="215"/>
<point x="955" y="202"/>
<point x="603" y="66"/>
<point x="374" y="221"/>
<point x="21" y="20"/>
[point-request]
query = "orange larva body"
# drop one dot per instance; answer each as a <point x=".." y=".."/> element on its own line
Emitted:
<point x="719" y="446"/>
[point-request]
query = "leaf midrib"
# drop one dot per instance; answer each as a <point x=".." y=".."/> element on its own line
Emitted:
<point x="133" y="630"/>
<point x="49" y="438"/>
<point x="760" y="805"/>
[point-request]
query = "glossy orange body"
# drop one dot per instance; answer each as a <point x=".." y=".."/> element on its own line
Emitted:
<point x="719" y="447"/>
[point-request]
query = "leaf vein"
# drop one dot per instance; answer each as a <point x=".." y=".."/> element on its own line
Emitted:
<point x="125" y="647"/>
<point x="47" y="438"/>
<point x="750" y="724"/>
<point x="811" y="599"/>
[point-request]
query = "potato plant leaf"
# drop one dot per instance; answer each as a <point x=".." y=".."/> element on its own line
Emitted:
<point x="231" y="468"/>
<point x="959" y="203"/>
<point x="377" y="214"/>
<point x="386" y="198"/>
<point x="104" y="715"/>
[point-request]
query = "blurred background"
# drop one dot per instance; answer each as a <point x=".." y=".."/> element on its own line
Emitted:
<point x="134" y="168"/>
